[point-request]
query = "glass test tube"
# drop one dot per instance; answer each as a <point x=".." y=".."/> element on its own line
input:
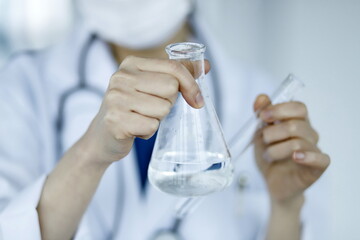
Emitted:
<point x="243" y="138"/>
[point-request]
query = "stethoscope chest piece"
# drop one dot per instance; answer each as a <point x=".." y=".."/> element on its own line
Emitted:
<point x="242" y="185"/>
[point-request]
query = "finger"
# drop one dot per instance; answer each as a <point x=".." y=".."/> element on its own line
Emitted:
<point x="149" y="105"/>
<point x="261" y="101"/>
<point x="294" y="128"/>
<point x="315" y="160"/>
<point x="138" y="102"/>
<point x="190" y="67"/>
<point x="187" y="85"/>
<point x="284" y="150"/>
<point x="158" y="84"/>
<point x="136" y="125"/>
<point x="284" y="111"/>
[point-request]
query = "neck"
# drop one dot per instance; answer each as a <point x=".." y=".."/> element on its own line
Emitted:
<point x="120" y="53"/>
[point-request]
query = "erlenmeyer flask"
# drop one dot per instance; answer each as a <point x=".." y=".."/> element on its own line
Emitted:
<point x="190" y="156"/>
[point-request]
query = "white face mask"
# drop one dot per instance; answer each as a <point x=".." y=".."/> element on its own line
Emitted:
<point x="135" y="24"/>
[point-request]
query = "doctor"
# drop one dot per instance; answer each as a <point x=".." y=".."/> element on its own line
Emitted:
<point x="72" y="97"/>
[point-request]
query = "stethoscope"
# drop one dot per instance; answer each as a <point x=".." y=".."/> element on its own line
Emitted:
<point x="171" y="233"/>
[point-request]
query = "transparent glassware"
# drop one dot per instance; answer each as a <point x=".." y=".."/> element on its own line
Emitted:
<point x="190" y="156"/>
<point x="243" y="138"/>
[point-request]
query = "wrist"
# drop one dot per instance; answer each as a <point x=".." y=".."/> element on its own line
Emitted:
<point x="293" y="205"/>
<point x="284" y="221"/>
<point x="103" y="147"/>
<point x="88" y="155"/>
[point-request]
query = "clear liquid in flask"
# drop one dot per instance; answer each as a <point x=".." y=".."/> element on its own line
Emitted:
<point x="191" y="179"/>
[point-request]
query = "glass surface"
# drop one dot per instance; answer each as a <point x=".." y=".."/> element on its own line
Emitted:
<point x="190" y="156"/>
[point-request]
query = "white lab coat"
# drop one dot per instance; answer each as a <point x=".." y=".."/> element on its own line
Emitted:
<point x="30" y="89"/>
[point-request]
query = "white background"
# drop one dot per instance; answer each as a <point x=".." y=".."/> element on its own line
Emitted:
<point x="318" y="40"/>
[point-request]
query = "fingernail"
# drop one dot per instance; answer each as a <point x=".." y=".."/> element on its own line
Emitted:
<point x="199" y="100"/>
<point x="299" y="156"/>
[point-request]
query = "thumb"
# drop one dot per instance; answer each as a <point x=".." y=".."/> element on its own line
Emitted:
<point x="261" y="102"/>
<point x="195" y="67"/>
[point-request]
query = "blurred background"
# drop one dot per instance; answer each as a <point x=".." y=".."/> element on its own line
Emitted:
<point x="317" y="40"/>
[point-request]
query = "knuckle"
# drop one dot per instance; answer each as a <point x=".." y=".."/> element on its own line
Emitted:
<point x="120" y="135"/>
<point x="175" y="66"/>
<point x="110" y="119"/>
<point x="296" y="144"/>
<point x="111" y="97"/>
<point x="130" y="130"/>
<point x="267" y="134"/>
<point x="149" y="127"/>
<point x="165" y="109"/>
<point x="173" y="87"/>
<point x="121" y="79"/>
<point x="128" y="60"/>
<point x="194" y="87"/>
<point x="292" y="127"/>
<point x="114" y="98"/>
<point x="127" y="128"/>
<point x="153" y="126"/>
<point x="123" y="74"/>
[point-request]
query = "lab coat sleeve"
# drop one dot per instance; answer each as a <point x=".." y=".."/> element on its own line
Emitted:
<point x="19" y="220"/>
<point x="24" y="149"/>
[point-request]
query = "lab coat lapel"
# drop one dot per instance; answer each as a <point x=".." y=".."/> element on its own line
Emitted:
<point x="133" y="208"/>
